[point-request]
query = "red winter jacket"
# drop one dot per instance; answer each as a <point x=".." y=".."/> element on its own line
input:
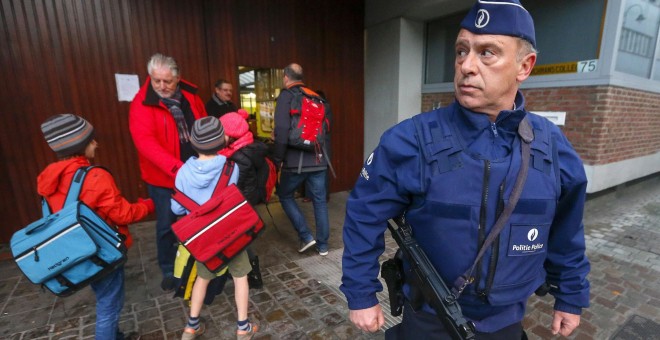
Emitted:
<point x="155" y="134"/>
<point x="98" y="191"/>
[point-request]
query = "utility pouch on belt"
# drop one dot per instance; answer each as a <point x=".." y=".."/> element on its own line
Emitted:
<point x="392" y="272"/>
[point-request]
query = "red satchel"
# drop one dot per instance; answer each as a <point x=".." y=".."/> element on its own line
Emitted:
<point x="219" y="229"/>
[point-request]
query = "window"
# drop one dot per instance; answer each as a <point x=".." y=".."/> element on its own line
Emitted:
<point x="638" y="42"/>
<point x="567" y="32"/>
<point x="259" y="88"/>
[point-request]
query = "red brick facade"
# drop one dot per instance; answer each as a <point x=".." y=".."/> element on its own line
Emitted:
<point x="605" y="124"/>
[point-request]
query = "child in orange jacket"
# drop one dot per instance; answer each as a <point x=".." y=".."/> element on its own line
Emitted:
<point x="72" y="139"/>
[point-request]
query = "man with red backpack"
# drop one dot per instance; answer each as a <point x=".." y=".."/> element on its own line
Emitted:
<point x="301" y="126"/>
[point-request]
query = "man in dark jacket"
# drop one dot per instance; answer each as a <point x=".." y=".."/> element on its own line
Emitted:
<point x="160" y="119"/>
<point x="298" y="166"/>
<point x="220" y="102"/>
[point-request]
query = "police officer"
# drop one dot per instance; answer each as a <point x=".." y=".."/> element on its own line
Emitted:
<point x="451" y="171"/>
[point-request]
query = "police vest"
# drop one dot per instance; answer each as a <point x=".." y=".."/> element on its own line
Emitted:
<point x="464" y="194"/>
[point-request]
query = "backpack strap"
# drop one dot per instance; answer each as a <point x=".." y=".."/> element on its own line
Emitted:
<point x="298" y="93"/>
<point x="76" y="184"/>
<point x="296" y="101"/>
<point x="45" y="209"/>
<point x="74" y="189"/>
<point x="184" y="200"/>
<point x="223" y="181"/>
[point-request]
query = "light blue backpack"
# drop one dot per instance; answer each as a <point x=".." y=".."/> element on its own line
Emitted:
<point x="67" y="250"/>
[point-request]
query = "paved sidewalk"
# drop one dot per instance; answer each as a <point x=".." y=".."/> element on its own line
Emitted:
<point x="301" y="300"/>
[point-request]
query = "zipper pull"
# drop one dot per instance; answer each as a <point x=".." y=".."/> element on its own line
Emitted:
<point x="36" y="254"/>
<point x="494" y="128"/>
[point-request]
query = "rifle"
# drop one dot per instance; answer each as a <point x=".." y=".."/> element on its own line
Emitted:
<point x="424" y="277"/>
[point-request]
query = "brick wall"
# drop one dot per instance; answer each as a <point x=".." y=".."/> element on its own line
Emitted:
<point x="605" y="124"/>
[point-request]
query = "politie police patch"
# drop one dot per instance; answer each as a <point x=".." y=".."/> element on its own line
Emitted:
<point x="364" y="173"/>
<point x="528" y="239"/>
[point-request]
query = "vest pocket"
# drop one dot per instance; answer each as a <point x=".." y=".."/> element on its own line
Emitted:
<point x="445" y="233"/>
<point x="520" y="270"/>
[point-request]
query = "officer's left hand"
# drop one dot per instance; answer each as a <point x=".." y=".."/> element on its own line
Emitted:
<point x="369" y="319"/>
<point x="564" y="323"/>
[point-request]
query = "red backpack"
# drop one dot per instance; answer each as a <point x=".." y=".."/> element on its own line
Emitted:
<point x="309" y="124"/>
<point x="219" y="229"/>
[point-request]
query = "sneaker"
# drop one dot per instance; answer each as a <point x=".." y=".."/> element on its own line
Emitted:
<point x="323" y="251"/>
<point x="168" y="284"/>
<point x="305" y="245"/>
<point x="191" y="333"/>
<point x="247" y="335"/>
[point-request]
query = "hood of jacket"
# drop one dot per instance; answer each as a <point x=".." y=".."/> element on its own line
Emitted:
<point x="49" y="180"/>
<point x="204" y="172"/>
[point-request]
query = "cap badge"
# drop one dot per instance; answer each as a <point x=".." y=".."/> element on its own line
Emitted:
<point x="482" y="18"/>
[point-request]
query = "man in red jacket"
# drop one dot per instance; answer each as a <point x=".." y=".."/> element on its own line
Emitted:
<point x="72" y="139"/>
<point x="161" y="116"/>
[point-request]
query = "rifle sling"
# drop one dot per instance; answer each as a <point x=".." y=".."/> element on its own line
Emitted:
<point x="527" y="136"/>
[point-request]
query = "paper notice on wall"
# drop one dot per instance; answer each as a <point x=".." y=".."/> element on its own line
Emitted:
<point x="127" y="86"/>
<point x="266" y="113"/>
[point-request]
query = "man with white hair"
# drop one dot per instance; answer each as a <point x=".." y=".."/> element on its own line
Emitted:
<point x="160" y="120"/>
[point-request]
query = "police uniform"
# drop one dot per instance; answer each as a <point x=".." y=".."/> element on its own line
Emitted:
<point x="451" y="172"/>
<point x="452" y="192"/>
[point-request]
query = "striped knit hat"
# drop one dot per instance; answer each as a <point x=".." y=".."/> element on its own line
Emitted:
<point x="208" y="135"/>
<point x="67" y="134"/>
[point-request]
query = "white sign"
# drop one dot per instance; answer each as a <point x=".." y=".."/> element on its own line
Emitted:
<point x="127" y="86"/>
<point x="557" y="117"/>
<point x="585" y="66"/>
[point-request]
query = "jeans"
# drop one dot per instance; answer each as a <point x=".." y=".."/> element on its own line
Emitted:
<point x="315" y="181"/>
<point x="166" y="242"/>
<point x="109" y="293"/>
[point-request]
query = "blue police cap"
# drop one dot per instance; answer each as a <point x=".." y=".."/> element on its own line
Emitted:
<point x="501" y="18"/>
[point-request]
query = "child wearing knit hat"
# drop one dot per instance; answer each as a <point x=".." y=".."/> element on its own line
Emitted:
<point x="197" y="179"/>
<point x="71" y="137"/>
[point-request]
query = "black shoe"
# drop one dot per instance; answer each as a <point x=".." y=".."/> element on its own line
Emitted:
<point x="168" y="284"/>
<point x="255" y="282"/>
<point x="254" y="277"/>
<point x="215" y="287"/>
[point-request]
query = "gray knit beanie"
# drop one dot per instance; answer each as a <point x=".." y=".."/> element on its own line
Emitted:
<point x="67" y="134"/>
<point x="208" y="135"/>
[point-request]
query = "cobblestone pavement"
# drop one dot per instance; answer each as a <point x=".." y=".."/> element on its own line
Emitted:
<point x="301" y="299"/>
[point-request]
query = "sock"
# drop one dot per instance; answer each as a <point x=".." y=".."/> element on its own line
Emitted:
<point x="244" y="325"/>
<point x="193" y="323"/>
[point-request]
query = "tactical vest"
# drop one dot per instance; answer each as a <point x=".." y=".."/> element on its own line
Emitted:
<point x="464" y="195"/>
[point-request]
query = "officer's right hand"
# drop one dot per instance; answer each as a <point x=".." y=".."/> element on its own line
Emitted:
<point x="369" y="319"/>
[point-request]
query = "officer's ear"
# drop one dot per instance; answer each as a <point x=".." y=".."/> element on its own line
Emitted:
<point x="526" y="59"/>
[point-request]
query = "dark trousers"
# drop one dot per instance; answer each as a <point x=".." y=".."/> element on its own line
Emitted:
<point x="421" y="326"/>
<point x="166" y="242"/>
